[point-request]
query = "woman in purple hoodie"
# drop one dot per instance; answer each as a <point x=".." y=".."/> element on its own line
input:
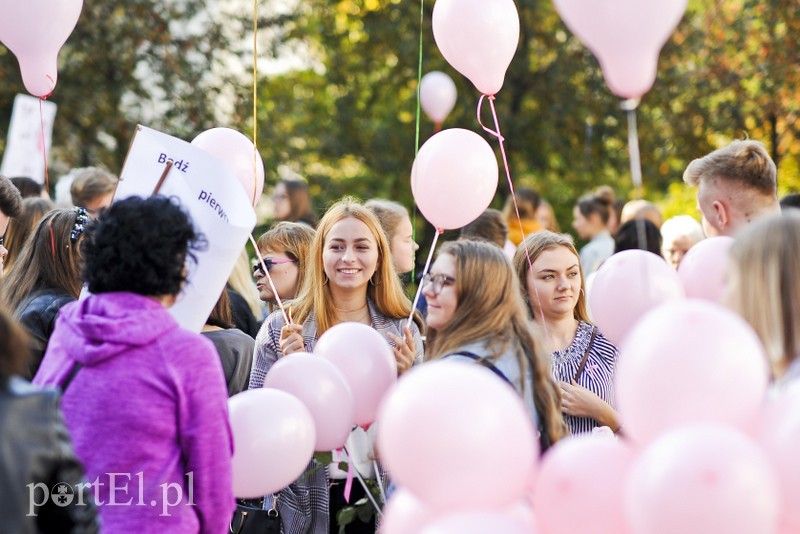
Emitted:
<point x="145" y="400"/>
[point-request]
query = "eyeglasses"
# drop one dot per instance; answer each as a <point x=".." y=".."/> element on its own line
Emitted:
<point x="269" y="262"/>
<point x="437" y="282"/>
<point x="276" y="198"/>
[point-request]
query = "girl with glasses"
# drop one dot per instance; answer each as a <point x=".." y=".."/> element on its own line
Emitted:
<point x="349" y="278"/>
<point x="476" y="314"/>
<point x="285" y="251"/>
<point x="583" y="360"/>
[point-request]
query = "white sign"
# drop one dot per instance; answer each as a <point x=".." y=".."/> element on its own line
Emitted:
<point x="25" y="152"/>
<point x="211" y="194"/>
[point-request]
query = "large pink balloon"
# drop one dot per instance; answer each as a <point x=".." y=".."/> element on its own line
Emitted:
<point x="457" y="436"/>
<point x="581" y="486"/>
<point x="478" y="38"/>
<point x="366" y="361"/>
<point x="625" y="35"/>
<point x="35" y="31"/>
<point x="324" y="391"/>
<point x="238" y="152"/>
<point x="405" y="514"/>
<point x="437" y="95"/>
<point x="454" y="178"/>
<point x="703" y="269"/>
<point x="703" y="480"/>
<point x="273" y="440"/>
<point x="627" y="285"/>
<point x="779" y="436"/>
<point x="687" y="362"/>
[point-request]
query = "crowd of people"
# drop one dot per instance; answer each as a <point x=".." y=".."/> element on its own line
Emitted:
<point x="108" y="385"/>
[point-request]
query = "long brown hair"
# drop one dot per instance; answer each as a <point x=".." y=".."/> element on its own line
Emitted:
<point x="48" y="260"/>
<point x="300" y="207"/>
<point x="386" y="293"/>
<point x="19" y="228"/>
<point x="490" y="307"/>
<point x="536" y="244"/>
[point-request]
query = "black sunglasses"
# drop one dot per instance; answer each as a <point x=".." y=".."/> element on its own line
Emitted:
<point x="269" y="262"/>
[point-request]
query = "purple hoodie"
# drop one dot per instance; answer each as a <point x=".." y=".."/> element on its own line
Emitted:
<point x="147" y="413"/>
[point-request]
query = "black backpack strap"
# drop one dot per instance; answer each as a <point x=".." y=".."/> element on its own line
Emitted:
<point x="72" y="372"/>
<point x="483" y="361"/>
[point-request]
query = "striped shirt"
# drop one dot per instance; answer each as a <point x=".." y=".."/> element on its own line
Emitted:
<point x="303" y="505"/>
<point x="597" y="377"/>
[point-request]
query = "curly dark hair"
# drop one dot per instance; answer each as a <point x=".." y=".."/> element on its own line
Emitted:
<point x="140" y="245"/>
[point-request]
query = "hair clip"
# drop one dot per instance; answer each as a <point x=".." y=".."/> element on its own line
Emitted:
<point x="80" y="224"/>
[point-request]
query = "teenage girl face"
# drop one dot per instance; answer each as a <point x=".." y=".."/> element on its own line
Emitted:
<point x="554" y="283"/>
<point x="403" y="246"/>
<point x="441" y="292"/>
<point x="350" y="255"/>
<point x="280" y="198"/>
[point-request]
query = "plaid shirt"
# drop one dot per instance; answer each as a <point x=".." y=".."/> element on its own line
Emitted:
<point x="303" y="505"/>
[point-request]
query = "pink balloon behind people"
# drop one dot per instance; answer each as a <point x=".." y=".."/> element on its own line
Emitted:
<point x="581" y="486"/>
<point x="241" y="156"/>
<point x="478" y="522"/>
<point x="702" y="480"/>
<point x="405" y="513"/>
<point x="366" y="361"/>
<point x="457" y="436"/>
<point x="437" y="95"/>
<point x="478" y="38"/>
<point x="702" y="270"/>
<point x="626" y="36"/>
<point x="779" y="436"/>
<point x="323" y="390"/>
<point x="628" y="285"/>
<point x="454" y="178"/>
<point x="273" y="440"/>
<point x="35" y="31"/>
<point x="686" y="362"/>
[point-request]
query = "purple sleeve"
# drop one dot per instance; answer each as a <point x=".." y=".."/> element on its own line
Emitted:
<point x="205" y="433"/>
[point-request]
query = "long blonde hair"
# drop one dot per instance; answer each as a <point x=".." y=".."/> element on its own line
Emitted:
<point x="764" y="285"/>
<point x="384" y="290"/>
<point x="490" y="308"/>
<point x="536" y="244"/>
<point x="241" y="280"/>
<point x="294" y="240"/>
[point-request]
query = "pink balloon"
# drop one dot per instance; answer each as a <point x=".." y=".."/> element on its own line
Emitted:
<point x="437" y="95"/>
<point x="323" y="390"/>
<point x="35" y="31"/>
<point x="688" y="362"/>
<point x="454" y="178"/>
<point x="581" y="486"/>
<point x="625" y="35"/>
<point x="366" y="361"/>
<point x="239" y="153"/>
<point x="478" y="522"/>
<point x="779" y="437"/>
<point x="478" y="38"/>
<point x="405" y="514"/>
<point x="702" y="480"/>
<point x="457" y="436"/>
<point x="273" y="441"/>
<point x="627" y="285"/>
<point x="703" y="269"/>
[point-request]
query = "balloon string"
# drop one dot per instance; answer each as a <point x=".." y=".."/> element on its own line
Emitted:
<point x="351" y="462"/>
<point x="380" y="480"/>
<point x="424" y="272"/>
<point x="501" y="139"/>
<point x="44" y="147"/>
<point x="286" y="318"/>
<point x="416" y="134"/>
<point x="255" y="102"/>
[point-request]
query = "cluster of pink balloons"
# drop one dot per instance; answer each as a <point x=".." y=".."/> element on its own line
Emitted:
<point x="454" y="178"/>
<point x="626" y="36"/>
<point x="461" y="447"/>
<point x="35" y="31"/>
<point x="240" y="154"/>
<point x="310" y="402"/>
<point x="703" y="269"/>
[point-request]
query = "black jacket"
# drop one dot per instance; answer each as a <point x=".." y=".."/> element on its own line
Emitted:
<point x="36" y="453"/>
<point x="38" y="314"/>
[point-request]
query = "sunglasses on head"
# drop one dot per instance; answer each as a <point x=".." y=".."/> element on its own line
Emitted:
<point x="269" y="262"/>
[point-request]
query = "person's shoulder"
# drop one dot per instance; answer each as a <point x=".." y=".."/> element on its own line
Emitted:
<point x="603" y="345"/>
